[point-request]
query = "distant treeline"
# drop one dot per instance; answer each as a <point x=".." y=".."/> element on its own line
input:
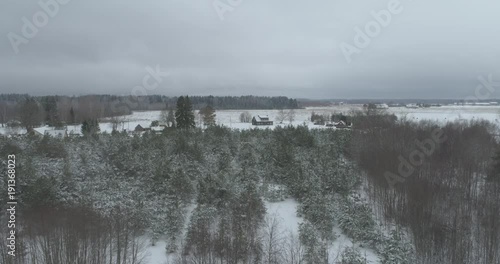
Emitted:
<point x="56" y="110"/>
<point x="392" y="102"/>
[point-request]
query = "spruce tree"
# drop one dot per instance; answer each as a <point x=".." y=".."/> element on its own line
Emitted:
<point x="29" y="114"/>
<point x="90" y="127"/>
<point x="72" y="115"/>
<point x="208" y="115"/>
<point x="184" y="115"/>
<point x="52" y="117"/>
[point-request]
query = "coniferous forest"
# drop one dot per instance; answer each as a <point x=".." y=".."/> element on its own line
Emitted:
<point x="106" y="198"/>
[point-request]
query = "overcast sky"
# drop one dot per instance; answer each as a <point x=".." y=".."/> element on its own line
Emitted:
<point x="431" y="49"/>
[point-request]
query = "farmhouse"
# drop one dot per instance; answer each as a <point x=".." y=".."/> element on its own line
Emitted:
<point x="139" y="128"/>
<point x="343" y="124"/>
<point x="261" y="121"/>
<point x="35" y="132"/>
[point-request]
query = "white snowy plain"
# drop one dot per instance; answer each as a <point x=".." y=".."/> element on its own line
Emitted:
<point x="230" y="118"/>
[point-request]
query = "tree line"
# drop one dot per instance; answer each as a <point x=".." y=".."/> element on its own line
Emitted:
<point x="440" y="182"/>
<point x="30" y="111"/>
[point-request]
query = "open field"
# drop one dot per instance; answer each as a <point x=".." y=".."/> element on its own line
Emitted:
<point x="230" y="118"/>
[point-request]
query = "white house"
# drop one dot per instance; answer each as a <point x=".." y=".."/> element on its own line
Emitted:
<point x="157" y="129"/>
<point x="57" y="133"/>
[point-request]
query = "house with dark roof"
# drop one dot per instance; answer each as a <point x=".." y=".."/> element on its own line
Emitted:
<point x="261" y="121"/>
<point x="343" y="124"/>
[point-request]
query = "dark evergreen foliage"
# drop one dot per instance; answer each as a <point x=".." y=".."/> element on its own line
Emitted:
<point x="184" y="115"/>
<point x="90" y="127"/>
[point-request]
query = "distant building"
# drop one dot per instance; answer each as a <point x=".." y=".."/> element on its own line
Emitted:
<point x="139" y="128"/>
<point x="157" y="129"/>
<point x="261" y="121"/>
<point x="75" y="133"/>
<point x="35" y="132"/>
<point x="162" y="124"/>
<point x="381" y="106"/>
<point x="411" y="106"/>
<point x="57" y="133"/>
<point x="376" y="106"/>
<point x="343" y="124"/>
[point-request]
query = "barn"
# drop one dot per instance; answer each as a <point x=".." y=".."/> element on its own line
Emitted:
<point x="261" y="121"/>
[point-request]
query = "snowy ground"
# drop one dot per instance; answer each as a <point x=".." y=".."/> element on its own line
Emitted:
<point x="230" y="118"/>
<point x="450" y="113"/>
<point x="285" y="213"/>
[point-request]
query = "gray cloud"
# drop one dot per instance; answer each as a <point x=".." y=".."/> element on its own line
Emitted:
<point x="430" y="50"/>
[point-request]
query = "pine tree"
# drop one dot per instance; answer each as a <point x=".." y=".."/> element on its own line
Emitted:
<point x="208" y="115"/>
<point x="396" y="249"/>
<point x="351" y="255"/>
<point x="184" y="115"/>
<point x="175" y="220"/>
<point x="90" y="127"/>
<point x="314" y="248"/>
<point x="72" y="115"/>
<point x="29" y="113"/>
<point x="51" y="111"/>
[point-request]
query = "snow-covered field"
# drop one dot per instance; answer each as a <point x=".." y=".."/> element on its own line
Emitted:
<point x="450" y="113"/>
<point x="230" y="118"/>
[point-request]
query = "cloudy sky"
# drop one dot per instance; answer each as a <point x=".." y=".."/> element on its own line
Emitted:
<point x="428" y="49"/>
